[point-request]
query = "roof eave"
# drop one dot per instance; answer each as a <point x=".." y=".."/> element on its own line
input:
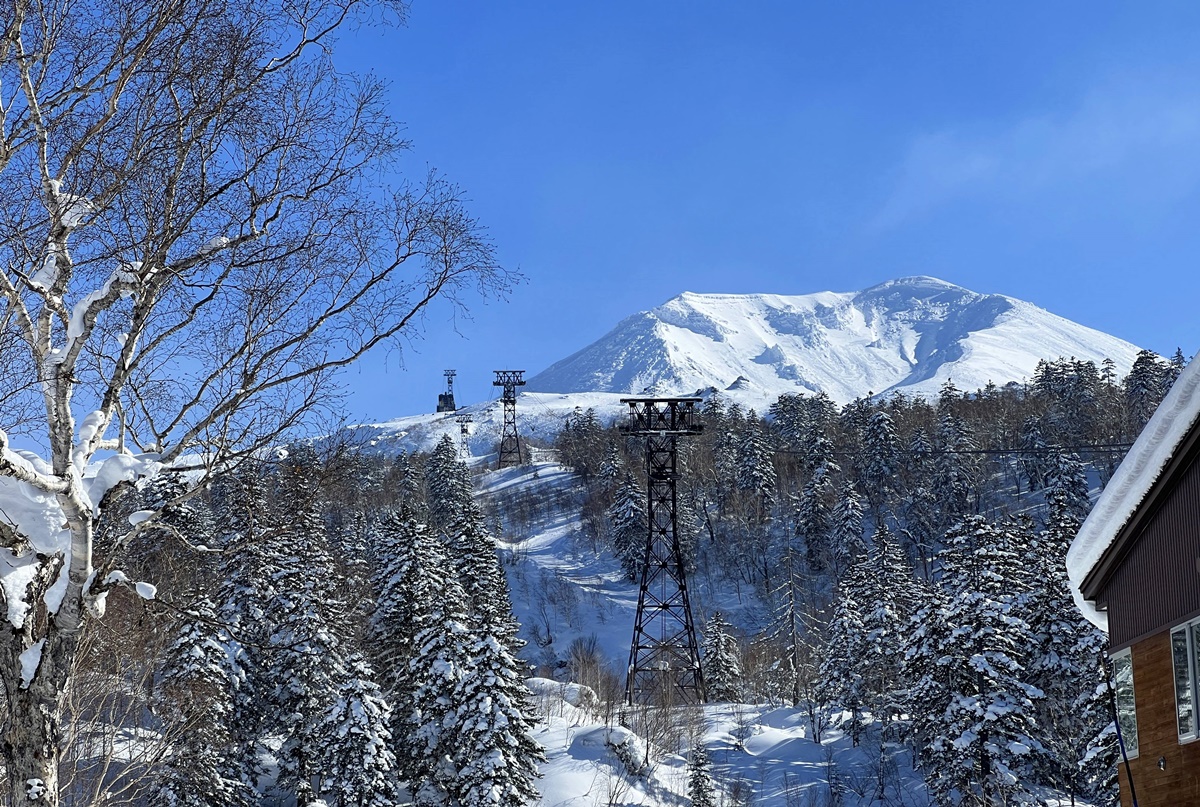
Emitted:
<point x="1108" y="562"/>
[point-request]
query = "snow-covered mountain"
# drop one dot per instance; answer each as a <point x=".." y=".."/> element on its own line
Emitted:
<point x="910" y="335"/>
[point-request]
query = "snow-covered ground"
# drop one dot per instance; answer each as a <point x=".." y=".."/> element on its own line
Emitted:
<point x="761" y="754"/>
<point x="563" y="591"/>
<point x="562" y="588"/>
<point x="540" y="417"/>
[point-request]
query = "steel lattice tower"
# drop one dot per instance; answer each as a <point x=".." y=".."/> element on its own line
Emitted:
<point x="510" y="443"/>
<point x="446" y="399"/>
<point x="464" y="432"/>
<point x="664" y="659"/>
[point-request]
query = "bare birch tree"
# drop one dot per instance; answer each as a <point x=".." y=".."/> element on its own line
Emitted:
<point x="195" y="235"/>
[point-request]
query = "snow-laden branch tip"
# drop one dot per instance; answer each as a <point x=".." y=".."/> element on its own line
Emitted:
<point x="214" y="245"/>
<point x="123" y="282"/>
<point x="22" y="468"/>
<point x="70" y="208"/>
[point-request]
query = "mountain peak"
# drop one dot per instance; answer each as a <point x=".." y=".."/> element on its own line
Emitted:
<point x="915" y="281"/>
<point x="909" y="334"/>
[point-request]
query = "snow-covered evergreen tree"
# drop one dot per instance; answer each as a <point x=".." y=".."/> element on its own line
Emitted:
<point x="447" y="484"/>
<point x="812" y="517"/>
<point x="846" y="531"/>
<point x="426" y="725"/>
<point x="1144" y="389"/>
<point x="306" y="657"/>
<point x="880" y="462"/>
<point x="495" y="754"/>
<point x="701" y="790"/>
<point x="952" y="483"/>
<point x="628" y="528"/>
<point x="359" y="765"/>
<point x="393" y="627"/>
<point x="480" y="575"/>
<point x="842" y="667"/>
<point x="1066" y="492"/>
<point x="195" y="692"/>
<point x="756" y="469"/>
<point x="1034" y="459"/>
<point x="978" y="718"/>
<point x="1065" y="655"/>
<point x="613" y="467"/>
<point x="245" y="591"/>
<point x="721" y="661"/>
<point x="404" y="482"/>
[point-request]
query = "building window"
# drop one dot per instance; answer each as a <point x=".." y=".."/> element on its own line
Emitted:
<point x="1185" y="661"/>
<point x="1122" y="663"/>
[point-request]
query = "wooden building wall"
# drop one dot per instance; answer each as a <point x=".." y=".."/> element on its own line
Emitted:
<point x="1157" y="584"/>
<point x="1178" y="785"/>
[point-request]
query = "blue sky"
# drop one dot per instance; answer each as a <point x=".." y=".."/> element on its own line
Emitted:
<point x="621" y="153"/>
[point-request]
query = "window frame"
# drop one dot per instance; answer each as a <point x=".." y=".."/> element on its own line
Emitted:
<point x="1125" y="655"/>
<point x="1190" y="630"/>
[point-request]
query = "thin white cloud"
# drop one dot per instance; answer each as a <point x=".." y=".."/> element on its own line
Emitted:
<point x="1142" y="140"/>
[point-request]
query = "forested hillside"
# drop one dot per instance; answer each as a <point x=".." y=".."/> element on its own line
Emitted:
<point x="332" y="625"/>
<point x="906" y="558"/>
<point x="322" y="630"/>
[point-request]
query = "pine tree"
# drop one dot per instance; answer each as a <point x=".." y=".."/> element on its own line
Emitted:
<point x="481" y="576"/>
<point x="722" y="665"/>
<point x="888" y="595"/>
<point x="872" y="606"/>
<point x="789" y="417"/>
<point x="841" y="667"/>
<point x="306" y="655"/>
<point x="1034" y="460"/>
<point x="846" y="531"/>
<point x="1066" y="647"/>
<point x="812" y="517"/>
<point x="921" y="513"/>
<point x="195" y="691"/>
<point x="1067" y="490"/>
<point x="982" y="724"/>
<point x="728" y="437"/>
<point x="447" y="485"/>
<point x="628" y="527"/>
<point x="880" y="463"/>
<point x="1143" y="389"/>
<point x="426" y="715"/>
<point x="1172" y="370"/>
<point x="402" y="479"/>
<point x="953" y="482"/>
<point x="359" y="763"/>
<point x="613" y="467"/>
<point x="928" y="671"/>
<point x="394" y="625"/>
<point x="756" y="469"/>
<point x="495" y="754"/>
<point x="701" y="790"/>
<point x="245" y="590"/>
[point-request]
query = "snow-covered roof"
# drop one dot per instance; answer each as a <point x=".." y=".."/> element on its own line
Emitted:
<point x="1132" y="482"/>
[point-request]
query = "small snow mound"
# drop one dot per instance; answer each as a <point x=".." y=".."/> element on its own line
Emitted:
<point x="140" y="516"/>
<point x="31" y="659"/>
<point x="577" y="695"/>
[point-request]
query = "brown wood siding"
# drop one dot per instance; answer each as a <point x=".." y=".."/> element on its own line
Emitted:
<point x="1157" y="585"/>
<point x="1178" y="785"/>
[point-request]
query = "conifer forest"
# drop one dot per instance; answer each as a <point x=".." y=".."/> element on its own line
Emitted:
<point x="333" y="624"/>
